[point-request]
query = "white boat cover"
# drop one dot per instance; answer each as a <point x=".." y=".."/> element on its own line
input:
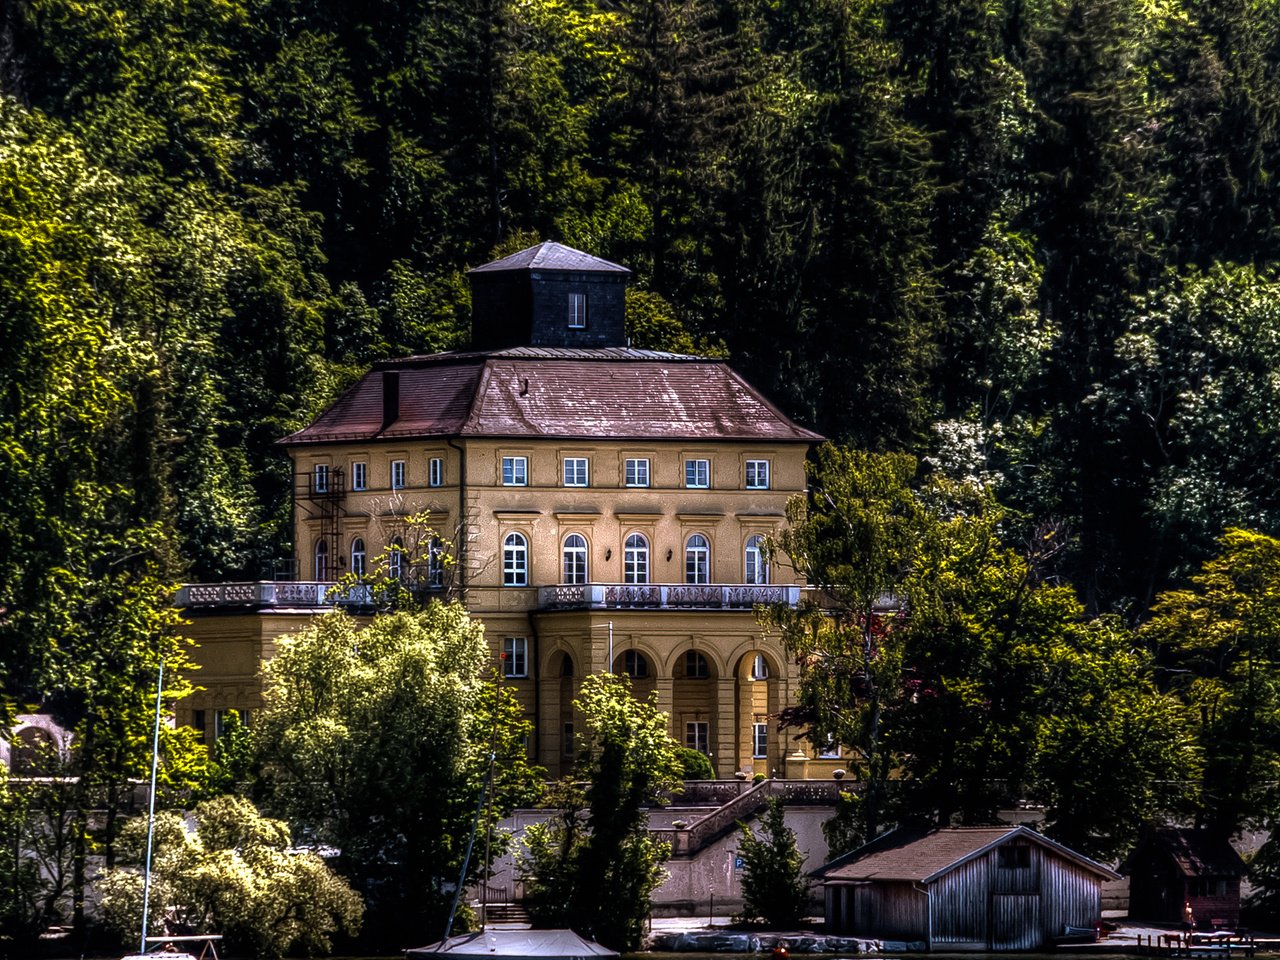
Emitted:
<point x="515" y="945"/>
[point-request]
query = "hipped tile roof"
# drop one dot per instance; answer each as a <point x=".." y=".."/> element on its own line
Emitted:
<point x="564" y="393"/>
<point x="919" y="856"/>
<point x="1198" y="853"/>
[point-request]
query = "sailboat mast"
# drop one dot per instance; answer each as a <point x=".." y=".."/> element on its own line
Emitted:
<point x="151" y="811"/>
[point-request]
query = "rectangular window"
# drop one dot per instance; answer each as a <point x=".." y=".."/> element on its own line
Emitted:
<point x="397" y="474"/>
<point x="515" y="661"/>
<point x="697" y="473"/>
<point x="757" y="474"/>
<point x="435" y="472"/>
<point x="575" y="471"/>
<point x="577" y="311"/>
<point x="221" y="717"/>
<point x="320" y="478"/>
<point x="697" y="736"/>
<point x="637" y="472"/>
<point x="515" y="471"/>
<point x="359" y="476"/>
<point x="566" y="744"/>
<point x="1014" y="857"/>
<point x="829" y="749"/>
<point x="759" y="741"/>
<point x="197" y="721"/>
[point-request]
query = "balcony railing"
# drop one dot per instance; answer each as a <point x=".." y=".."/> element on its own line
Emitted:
<point x="270" y="593"/>
<point x="665" y="596"/>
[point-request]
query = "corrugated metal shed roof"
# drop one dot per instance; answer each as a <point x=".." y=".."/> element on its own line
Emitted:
<point x="550" y="255"/>
<point x="564" y="393"/>
<point x="921" y="856"/>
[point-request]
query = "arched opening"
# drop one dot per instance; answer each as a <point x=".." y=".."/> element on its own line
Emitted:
<point x="635" y="559"/>
<point x="695" y="705"/>
<point x="574" y="559"/>
<point x="515" y="560"/>
<point x="395" y="559"/>
<point x="321" y="566"/>
<point x="697" y="560"/>
<point x="357" y="556"/>
<point x="755" y="565"/>
<point x="636" y="665"/>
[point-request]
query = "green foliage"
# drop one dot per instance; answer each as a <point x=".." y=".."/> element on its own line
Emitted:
<point x="235" y="875"/>
<point x="694" y="764"/>
<point x="774" y="888"/>
<point x="594" y="867"/>
<point x="362" y="723"/>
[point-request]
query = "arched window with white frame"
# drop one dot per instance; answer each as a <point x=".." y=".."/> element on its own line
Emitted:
<point x="322" y="560"/>
<point x="575" y="558"/>
<point x="635" y="559"/>
<point x="357" y="556"/>
<point x="395" y="559"/>
<point x="755" y="567"/>
<point x="697" y="560"/>
<point x="515" y="560"/>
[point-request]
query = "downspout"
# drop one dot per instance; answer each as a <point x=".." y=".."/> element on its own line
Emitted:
<point x="928" y="897"/>
<point x="464" y="527"/>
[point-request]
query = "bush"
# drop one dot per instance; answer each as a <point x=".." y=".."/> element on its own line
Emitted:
<point x="773" y="887"/>
<point x="694" y="764"/>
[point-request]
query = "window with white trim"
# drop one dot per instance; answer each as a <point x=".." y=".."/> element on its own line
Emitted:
<point x="320" y="478"/>
<point x="697" y="736"/>
<point x="357" y="557"/>
<point x="515" y="471"/>
<point x="359" y="475"/>
<point x="575" y="471"/>
<point x="515" y="560"/>
<point x="577" y="311"/>
<point x="435" y="563"/>
<point x="757" y="474"/>
<point x="697" y="474"/>
<point x="322" y="560"/>
<point x="829" y="748"/>
<point x="637" y="472"/>
<point x="515" y="656"/>
<point x="575" y="559"/>
<point x="395" y="558"/>
<point x="635" y="559"/>
<point x="759" y="667"/>
<point x="435" y="472"/>
<point x="759" y="741"/>
<point x="397" y="474"/>
<point x="755" y="569"/>
<point x="697" y="560"/>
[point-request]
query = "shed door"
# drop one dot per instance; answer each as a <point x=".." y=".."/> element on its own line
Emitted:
<point x="1015" y="921"/>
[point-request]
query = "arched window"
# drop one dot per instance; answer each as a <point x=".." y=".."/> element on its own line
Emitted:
<point x="575" y="558"/>
<point x="696" y="666"/>
<point x="759" y="668"/>
<point x="322" y="560"/>
<point x="635" y="560"/>
<point x="515" y="560"/>
<point x="755" y="568"/>
<point x="635" y="664"/>
<point x="697" y="557"/>
<point x="435" y="563"/>
<point x="357" y="557"/>
<point x="395" y="559"/>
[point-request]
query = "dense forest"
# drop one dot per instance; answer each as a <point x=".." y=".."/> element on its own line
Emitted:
<point x="1033" y="242"/>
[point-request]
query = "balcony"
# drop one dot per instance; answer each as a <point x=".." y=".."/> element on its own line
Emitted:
<point x="261" y="594"/>
<point x="665" y="596"/>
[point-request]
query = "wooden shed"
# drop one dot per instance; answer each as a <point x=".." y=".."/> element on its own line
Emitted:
<point x="1172" y="866"/>
<point x="965" y="888"/>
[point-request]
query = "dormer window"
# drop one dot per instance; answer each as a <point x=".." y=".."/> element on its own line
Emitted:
<point x="577" y="311"/>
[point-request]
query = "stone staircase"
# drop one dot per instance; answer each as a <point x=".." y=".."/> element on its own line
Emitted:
<point x="506" y="915"/>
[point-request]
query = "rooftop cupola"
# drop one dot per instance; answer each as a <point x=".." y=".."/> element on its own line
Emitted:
<point x="549" y="295"/>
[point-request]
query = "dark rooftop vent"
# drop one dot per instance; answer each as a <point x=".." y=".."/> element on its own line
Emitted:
<point x="548" y="295"/>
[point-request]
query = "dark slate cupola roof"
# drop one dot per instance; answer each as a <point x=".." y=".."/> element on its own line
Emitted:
<point x="548" y="295"/>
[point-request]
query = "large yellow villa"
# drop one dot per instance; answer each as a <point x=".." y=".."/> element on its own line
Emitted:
<point x="603" y="509"/>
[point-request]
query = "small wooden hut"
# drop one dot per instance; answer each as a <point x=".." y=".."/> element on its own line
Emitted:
<point x="967" y="888"/>
<point x="1173" y="866"/>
